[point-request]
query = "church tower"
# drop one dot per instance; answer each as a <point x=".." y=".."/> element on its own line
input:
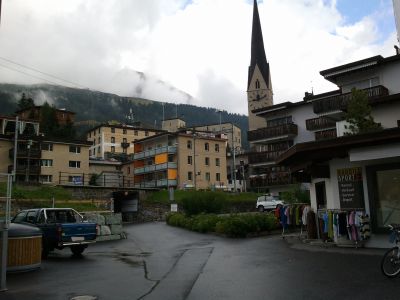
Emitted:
<point x="259" y="85"/>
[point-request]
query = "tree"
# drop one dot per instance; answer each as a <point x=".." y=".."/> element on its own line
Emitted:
<point x="358" y="114"/>
<point x="48" y="120"/>
<point x="25" y="103"/>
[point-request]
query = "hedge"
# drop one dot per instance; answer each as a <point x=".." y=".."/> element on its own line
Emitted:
<point x="237" y="225"/>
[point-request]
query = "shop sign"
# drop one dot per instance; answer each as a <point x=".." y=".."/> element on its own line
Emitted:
<point x="351" y="191"/>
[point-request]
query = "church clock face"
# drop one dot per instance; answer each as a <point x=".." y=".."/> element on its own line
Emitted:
<point x="257" y="99"/>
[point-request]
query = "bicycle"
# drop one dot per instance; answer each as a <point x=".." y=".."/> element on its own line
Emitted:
<point x="390" y="264"/>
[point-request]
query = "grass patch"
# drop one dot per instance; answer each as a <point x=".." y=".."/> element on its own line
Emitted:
<point x="36" y="192"/>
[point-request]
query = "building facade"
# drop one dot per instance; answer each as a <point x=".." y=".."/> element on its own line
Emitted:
<point x="116" y="140"/>
<point x="184" y="160"/>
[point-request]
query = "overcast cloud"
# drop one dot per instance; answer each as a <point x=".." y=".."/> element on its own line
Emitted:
<point x="200" y="47"/>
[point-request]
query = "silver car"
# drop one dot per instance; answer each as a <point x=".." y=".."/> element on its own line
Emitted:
<point x="268" y="202"/>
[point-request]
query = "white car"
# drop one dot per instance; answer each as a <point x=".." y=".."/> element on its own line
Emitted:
<point x="268" y="202"/>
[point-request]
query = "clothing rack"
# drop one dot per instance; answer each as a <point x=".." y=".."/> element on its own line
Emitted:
<point x="284" y="234"/>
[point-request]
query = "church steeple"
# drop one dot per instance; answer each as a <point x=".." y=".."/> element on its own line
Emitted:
<point x="258" y="56"/>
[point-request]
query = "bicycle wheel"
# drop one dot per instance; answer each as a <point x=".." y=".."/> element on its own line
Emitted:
<point x="390" y="264"/>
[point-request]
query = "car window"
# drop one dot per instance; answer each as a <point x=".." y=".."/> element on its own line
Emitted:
<point x="42" y="219"/>
<point x="31" y="217"/>
<point x="62" y="216"/>
<point x="20" y="217"/>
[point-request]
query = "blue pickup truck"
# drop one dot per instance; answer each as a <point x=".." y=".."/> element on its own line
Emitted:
<point x="61" y="227"/>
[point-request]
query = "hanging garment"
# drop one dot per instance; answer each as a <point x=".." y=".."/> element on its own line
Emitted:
<point x="330" y="225"/>
<point x="304" y="218"/>
<point x="325" y="219"/>
<point x="283" y="217"/>
<point x="335" y="227"/>
<point x="311" y="224"/>
<point x="364" y="227"/>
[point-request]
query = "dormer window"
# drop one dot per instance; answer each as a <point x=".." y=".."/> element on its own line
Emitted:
<point x="257" y="84"/>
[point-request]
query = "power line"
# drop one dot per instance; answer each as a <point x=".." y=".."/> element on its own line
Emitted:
<point x="44" y="73"/>
<point x="27" y="74"/>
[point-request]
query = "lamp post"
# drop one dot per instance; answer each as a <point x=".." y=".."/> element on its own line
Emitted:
<point x="15" y="148"/>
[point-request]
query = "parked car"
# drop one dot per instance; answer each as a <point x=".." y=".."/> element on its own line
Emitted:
<point x="268" y="202"/>
<point x="61" y="227"/>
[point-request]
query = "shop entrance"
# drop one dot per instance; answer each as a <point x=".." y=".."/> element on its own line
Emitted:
<point x="320" y="193"/>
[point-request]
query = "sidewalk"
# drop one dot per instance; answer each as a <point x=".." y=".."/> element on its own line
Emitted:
<point x="299" y="243"/>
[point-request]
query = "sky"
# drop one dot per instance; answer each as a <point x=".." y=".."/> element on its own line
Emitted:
<point x="166" y="50"/>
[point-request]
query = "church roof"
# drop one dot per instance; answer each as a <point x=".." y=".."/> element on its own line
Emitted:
<point x="258" y="56"/>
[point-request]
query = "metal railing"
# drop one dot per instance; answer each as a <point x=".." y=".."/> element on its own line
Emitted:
<point x="273" y="179"/>
<point x="32" y="153"/>
<point x="154" y="152"/>
<point x="91" y="179"/>
<point x="154" y="168"/>
<point x="272" y="132"/>
<point x="339" y="102"/>
<point x="161" y="183"/>
<point x="264" y="157"/>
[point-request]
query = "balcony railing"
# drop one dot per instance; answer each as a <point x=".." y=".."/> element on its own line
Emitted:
<point x="125" y="145"/>
<point x="272" y="132"/>
<point x="156" y="183"/>
<point x="320" y="123"/>
<point x="154" y="168"/>
<point x="326" y="134"/>
<point x="273" y="179"/>
<point x="153" y="152"/>
<point x="23" y="169"/>
<point x="264" y="157"/>
<point x="25" y="153"/>
<point x="339" y="102"/>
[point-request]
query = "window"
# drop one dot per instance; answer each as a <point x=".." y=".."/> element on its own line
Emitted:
<point x="20" y="217"/>
<point x="208" y="178"/>
<point x="90" y="134"/>
<point x="112" y="149"/>
<point x="129" y="170"/>
<point x="257" y="84"/>
<point x="113" y="140"/>
<point x="46" y="178"/>
<point x="31" y="217"/>
<point x="124" y="131"/>
<point x="207" y="146"/>
<point x="94" y="152"/>
<point x="207" y="161"/>
<point x="217" y="162"/>
<point x="74" y="149"/>
<point x="124" y="140"/>
<point x="146" y="133"/>
<point x="46" y="163"/>
<point x="218" y="177"/>
<point x="94" y="133"/>
<point x="189" y="144"/>
<point x="190" y="176"/>
<point x="74" y="164"/>
<point x="47" y="147"/>
<point x="136" y="133"/>
<point x="99" y="130"/>
<point x="216" y="147"/>
<point x="99" y="140"/>
<point x="113" y="130"/>
<point x="190" y="160"/>
<point x="280" y="121"/>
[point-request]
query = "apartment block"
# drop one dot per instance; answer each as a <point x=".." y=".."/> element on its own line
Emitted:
<point x="116" y="140"/>
<point x="184" y="160"/>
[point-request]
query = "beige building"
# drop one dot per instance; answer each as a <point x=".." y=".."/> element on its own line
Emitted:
<point x="173" y="125"/>
<point x="181" y="160"/>
<point x="5" y="160"/>
<point x="113" y="140"/>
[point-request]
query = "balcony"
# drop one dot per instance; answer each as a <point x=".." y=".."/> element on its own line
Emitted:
<point x="273" y="133"/>
<point x="161" y="183"/>
<point x="264" y="157"/>
<point x="320" y="123"/>
<point x="272" y="179"/>
<point x="154" y="152"/>
<point x="326" y="134"/>
<point x="154" y="168"/>
<point x="25" y="153"/>
<point x="125" y="145"/>
<point x="23" y="169"/>
<point x="339" y="102"/>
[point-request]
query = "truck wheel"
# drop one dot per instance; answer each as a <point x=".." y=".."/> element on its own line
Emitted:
<point x="77" y="250"/>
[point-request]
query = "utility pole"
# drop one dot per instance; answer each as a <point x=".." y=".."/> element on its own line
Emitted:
<point x="194" y="161"/>
<point x="15" y="146"/>
<point x="234" y="162"/>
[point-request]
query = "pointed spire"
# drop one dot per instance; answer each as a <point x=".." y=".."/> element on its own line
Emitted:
<point x="258" y="56"/>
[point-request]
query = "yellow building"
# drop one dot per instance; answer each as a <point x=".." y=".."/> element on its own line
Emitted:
<point x="113" y="140"/>
<point x="181" y="160"/>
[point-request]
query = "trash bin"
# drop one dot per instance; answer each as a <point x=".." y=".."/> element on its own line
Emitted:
<point x="24" y="248"/>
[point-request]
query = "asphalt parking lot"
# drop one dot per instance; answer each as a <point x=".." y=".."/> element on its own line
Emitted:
<point x="161" y="262"/>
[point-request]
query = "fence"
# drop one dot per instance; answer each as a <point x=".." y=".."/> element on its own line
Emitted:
<point x="101" y="180"/>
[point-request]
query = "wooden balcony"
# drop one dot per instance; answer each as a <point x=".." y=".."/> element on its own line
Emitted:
<point x="320" y="123"/>
<point x="24" y="153"/>
<point x="325" y="134"/>
<point x="270" y="133"/>
<point x="339" y="102"/>
<point x="264" y="157"/>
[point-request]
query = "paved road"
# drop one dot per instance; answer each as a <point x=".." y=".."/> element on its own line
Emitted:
<point x="161" y="262"/>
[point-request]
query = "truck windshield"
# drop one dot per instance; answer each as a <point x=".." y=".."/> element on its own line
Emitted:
<point x="62" y="216"/>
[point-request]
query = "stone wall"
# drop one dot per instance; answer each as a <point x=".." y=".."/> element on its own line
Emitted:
<point x="110" y="225"/>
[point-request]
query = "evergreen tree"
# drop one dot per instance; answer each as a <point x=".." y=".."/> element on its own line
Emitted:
<point x="48" y="120"/>
<point x="358" y="114"/>
<point x="25" y="103"/>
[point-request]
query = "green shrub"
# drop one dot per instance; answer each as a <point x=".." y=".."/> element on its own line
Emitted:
<point x="204" y="202"/>
<point x="205" y="223"/>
